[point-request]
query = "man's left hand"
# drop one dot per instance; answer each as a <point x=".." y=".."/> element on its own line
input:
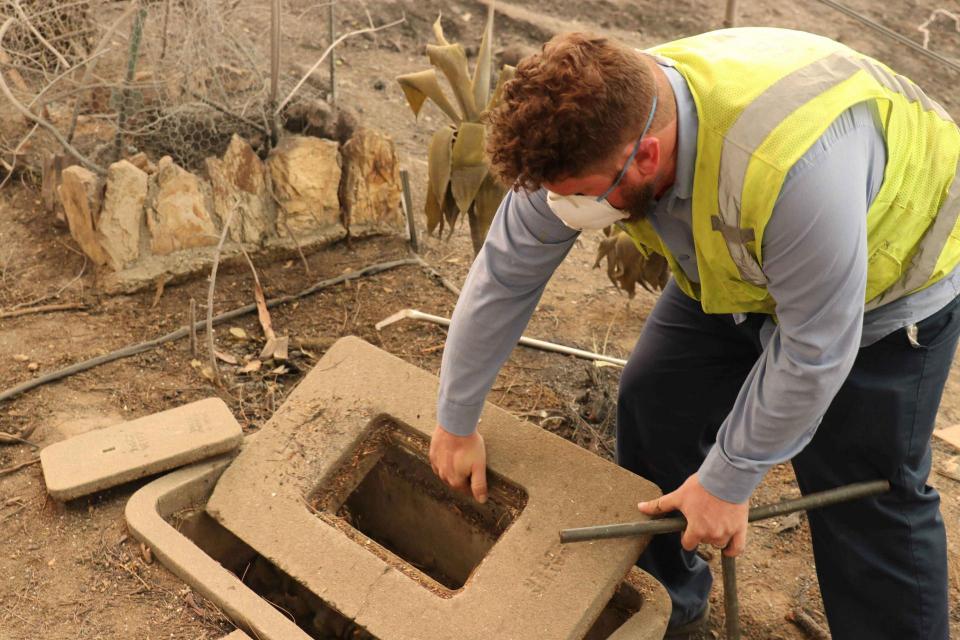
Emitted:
<point x="709" y="519"/>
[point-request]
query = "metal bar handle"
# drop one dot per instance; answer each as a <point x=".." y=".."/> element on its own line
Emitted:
<point x="670" y="525"/>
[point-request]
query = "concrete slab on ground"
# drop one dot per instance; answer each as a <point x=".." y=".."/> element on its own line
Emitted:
<point x="950" y="435"/>
<point x="338" y="494"/>
<point x="236" y="635"/>
<point x="111" y="456"/>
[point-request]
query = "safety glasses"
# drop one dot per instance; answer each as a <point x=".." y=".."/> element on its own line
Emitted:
<point x="589" y="212"/>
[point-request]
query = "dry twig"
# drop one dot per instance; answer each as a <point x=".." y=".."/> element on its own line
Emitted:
<point x="9" y="438"/>
<point x="327" y="52"/>
<point x="275" y="347"/>
<point x="69" y="148"/>
<point x="925" y="27"/>
<point x="54" y="295"/>
<point x="47" y="308"/>
<point x="213" y="284"/>
<point x="17" y="467"/>
<point x="15" y="511"/>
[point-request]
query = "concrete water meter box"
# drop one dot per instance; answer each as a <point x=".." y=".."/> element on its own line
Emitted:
<point x="337" y="494"/>
<point x="168" y="515"/>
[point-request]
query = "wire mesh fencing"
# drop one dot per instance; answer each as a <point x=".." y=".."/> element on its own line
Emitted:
<point x="167" y="77"/>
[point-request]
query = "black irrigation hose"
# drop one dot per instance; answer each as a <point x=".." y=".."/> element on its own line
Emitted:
<point x="183" y="332"/>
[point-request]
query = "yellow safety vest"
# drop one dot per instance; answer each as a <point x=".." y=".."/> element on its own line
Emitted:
<point x="763" y="97"/>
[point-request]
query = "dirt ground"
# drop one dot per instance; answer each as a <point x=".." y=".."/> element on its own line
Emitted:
<point x="72" y="571"/>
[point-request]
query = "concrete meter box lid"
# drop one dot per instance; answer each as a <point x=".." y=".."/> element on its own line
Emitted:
<point x="337" y="491"/>
<point x="120" y="453"/>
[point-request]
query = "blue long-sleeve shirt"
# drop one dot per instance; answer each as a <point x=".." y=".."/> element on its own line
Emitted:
<point x="815" y="258"/>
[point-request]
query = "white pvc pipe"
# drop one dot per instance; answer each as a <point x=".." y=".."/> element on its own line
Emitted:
<point x="543" y="345"/>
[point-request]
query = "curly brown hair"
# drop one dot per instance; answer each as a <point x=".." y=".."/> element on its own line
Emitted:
<point x="570" y="106"/>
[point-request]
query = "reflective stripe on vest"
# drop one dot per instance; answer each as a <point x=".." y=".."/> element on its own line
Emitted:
<point x="928" y="251"/>
<point x="764" y="114"/>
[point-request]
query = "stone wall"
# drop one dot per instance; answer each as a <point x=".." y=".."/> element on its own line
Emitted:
<point x="151" y="221"/>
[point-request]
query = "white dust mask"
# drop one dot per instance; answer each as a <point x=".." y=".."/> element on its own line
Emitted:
<point x="588" y="212"/>
<point x="584" y="213"/>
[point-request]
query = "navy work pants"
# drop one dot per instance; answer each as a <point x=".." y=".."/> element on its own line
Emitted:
<point x="881" y="562"/>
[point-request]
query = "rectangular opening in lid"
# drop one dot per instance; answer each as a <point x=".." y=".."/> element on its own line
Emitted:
<point x="386" y="493"/>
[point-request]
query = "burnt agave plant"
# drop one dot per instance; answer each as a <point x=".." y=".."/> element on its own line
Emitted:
<point x="459" y="175"/>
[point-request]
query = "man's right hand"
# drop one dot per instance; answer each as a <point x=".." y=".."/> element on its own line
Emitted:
<point x="460" y="461"/>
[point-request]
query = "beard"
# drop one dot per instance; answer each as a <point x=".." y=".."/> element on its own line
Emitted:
<point x="638" y="201"/>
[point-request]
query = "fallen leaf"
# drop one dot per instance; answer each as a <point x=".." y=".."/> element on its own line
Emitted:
<point x="250" y="367"/>
<point x="279" y="370"/>
<point x="33" y="366"/>
<point x="268" y="348"/>
<point x="147" y="553"/>
<point x="207" y="373"/>
<point x="239" y="333"/>
<point x="196" y="364"/>
<point x="283" y="346"/>
<point x="275" y="348"/>
<point x="21" y="357"/>
<point x="226" y="357"/>
<point x="263" y="314"/>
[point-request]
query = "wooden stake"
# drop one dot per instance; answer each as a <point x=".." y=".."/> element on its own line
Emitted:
<point x="333" y="58"/>
<point x="408" y="210"/>
<point x="730" y="19"/>
<point x="193" y="328"/>
<point x="166" y="23"/>
<point x="136" y="37"/>
<point x="274" y="70"/>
